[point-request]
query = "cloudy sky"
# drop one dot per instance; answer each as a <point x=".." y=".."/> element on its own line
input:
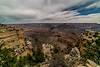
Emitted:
<point x="34" y="11"/>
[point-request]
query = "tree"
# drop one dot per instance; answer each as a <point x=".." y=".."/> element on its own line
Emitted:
<point x="38" y="56"/>
<point x="7" y="58"/>
<point x="92" y="51"/>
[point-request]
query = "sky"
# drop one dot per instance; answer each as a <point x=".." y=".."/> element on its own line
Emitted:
<point x="49" y="11"/>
